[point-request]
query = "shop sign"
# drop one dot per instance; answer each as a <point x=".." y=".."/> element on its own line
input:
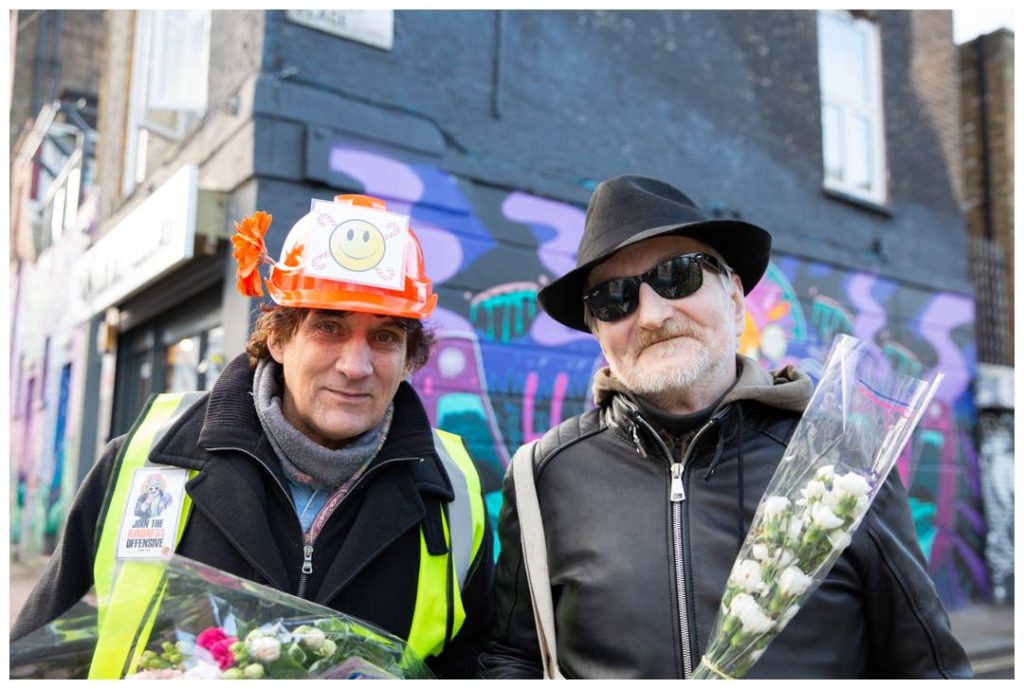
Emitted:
<point x="372" y="27"/>
<point x="153" y="239"/>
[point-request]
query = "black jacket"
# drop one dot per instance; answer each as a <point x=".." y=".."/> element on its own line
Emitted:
<point x="366" y="558"/>
<point x="609" y="522"/>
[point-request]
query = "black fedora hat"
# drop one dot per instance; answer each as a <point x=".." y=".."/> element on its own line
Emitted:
<point x="628" y="209"/>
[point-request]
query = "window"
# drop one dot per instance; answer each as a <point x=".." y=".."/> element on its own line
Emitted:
<point x="169" y="82"/>
<point x="853" y="141"/>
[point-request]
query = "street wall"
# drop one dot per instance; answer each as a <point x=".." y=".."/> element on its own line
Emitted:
<point x="503" y="372"/>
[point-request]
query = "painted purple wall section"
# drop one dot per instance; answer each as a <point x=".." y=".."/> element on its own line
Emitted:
<point x="503" y="371"/>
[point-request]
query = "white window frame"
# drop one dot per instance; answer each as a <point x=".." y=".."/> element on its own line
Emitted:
<point x="153" y="56"/>
<point x="872" y="110"/>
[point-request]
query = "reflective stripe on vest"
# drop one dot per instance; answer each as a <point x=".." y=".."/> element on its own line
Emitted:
<point x="463" y="531"/>
<point x="125" y="601"/>
<point x="132" y="603"/>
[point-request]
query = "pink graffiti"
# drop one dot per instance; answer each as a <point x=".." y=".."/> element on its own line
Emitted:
<point x="939" y="419"/>
<point x="561" y="385"/>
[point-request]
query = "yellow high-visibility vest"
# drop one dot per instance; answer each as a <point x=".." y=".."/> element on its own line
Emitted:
<point x="128" y="592"/>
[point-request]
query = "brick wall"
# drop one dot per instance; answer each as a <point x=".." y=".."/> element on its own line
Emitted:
<point x="991" y="227"/>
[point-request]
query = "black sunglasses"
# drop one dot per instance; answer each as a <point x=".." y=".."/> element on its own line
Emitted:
<point x="678" y="277"/>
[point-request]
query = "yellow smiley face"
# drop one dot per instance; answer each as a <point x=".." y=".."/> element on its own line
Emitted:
<point x="357" y="245"/>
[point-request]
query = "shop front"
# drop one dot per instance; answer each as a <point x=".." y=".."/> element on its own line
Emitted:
<point x="155" y="282"/>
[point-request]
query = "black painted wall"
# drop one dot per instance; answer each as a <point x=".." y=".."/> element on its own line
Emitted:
<point x="725" y="104"/>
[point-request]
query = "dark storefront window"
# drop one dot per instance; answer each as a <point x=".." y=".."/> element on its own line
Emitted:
<point x="178" y="351"/>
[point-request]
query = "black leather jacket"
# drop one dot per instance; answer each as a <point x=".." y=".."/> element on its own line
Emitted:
<point x="636" y="584"/>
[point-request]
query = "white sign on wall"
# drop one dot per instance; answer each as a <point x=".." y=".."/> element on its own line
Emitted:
<point x="372" y="27"/>
<point x="154" y="238"/>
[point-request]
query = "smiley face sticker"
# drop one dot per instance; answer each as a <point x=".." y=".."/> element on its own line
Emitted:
<point x="365" y="246"/>
<point x="357" y="245"/>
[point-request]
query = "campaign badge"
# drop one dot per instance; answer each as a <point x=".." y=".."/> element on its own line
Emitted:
<point x="150" y="521"/>
<point x="356" y="244"/>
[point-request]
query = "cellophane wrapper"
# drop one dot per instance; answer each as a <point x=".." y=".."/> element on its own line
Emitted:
<point x="212" y="625"/>
<point x="851" y="434"/>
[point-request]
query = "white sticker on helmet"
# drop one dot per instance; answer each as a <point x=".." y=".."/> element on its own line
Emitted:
<point x="355" y="244"/>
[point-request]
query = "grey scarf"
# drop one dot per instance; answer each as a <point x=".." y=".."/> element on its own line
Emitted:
<point x="303" y="460"/>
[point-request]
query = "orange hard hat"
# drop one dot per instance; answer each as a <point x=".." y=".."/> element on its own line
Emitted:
<point x="290" y="283"/>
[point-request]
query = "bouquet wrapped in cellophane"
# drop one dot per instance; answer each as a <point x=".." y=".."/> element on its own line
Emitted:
<point x="206" y="624"/>
<point x="854" y="428"/>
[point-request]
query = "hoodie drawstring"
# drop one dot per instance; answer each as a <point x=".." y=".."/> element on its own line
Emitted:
<point x="741" y="532"/>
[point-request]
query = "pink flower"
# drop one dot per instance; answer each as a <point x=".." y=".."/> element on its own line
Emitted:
<point x="208" y="637"/>
<point x="221" y="652"/>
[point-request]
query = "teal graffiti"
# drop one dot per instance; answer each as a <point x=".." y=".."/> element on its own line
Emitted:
<point x="830" y="318"/>
<point x="902" y="360"/>
<point x="798" y="328"/>
<point x="505" y="315"/>
<point x="924" y="524"/>
<point x="492" y="501"/>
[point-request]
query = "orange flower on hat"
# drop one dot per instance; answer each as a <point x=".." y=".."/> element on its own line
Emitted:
<point x="250" y="252"/>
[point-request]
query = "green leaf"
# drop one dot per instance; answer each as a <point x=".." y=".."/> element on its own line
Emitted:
<point x="296" y="653"/>
<point x="286" y="668"/>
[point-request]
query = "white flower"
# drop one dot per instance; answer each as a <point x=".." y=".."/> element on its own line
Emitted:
<point x="794" y="529"/>
<point x="760" y="552"/>
<point x="750" y="614"/>
<point x="788" y="614"/>
<point x="785" y="558"/>
<point x="814" y="489"/>
<point x="831" y="499"/>
<point x="825" y="473"/>
<point x="203" y="670"/>
<point x="775" y="506"/>
<point x="310" y="636"/>
<point x="265" y="649"/>
<point x="824" y="517"/>
<point x="328" y="648"/>
<point x="756" y="655"/>
<point x="839" y="540"/>
<point x="851" y="484"/>
<point x="863" y="502"/>
<point x="793" y="582"/>
<point x="747" y="575"/>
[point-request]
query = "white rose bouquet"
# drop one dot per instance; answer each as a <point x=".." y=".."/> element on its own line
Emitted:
<point x="854" y="428"/>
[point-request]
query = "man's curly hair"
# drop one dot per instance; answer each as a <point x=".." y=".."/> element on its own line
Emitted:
<point x="280" y="323"/>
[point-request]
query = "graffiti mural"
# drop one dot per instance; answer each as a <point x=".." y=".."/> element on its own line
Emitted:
<point x="503" y="372"/>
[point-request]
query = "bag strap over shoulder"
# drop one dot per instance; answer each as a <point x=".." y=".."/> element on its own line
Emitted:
<point x="535" y="557"/>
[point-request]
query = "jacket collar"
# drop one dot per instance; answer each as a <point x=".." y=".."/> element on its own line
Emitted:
<point x="227" y="425"/>
<point x="231" y="423"/>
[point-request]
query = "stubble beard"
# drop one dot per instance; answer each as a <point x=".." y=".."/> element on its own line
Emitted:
<point x="677" y="367"/>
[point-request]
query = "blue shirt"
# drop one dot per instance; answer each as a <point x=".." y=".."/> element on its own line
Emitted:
<point x="308" y="502"/>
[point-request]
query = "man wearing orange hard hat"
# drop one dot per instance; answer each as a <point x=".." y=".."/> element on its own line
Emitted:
<point x="311" y="463"/>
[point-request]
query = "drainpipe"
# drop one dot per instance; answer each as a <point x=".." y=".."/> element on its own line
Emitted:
<point x="58" y="29"/>
<point x="986" y="158"/>
<point x="42" y="39"/>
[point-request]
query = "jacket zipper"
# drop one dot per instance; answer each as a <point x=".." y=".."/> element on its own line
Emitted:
<point x="309" y="540"/>
<point x="677" y="496"/>
<point x="287" y="495"/>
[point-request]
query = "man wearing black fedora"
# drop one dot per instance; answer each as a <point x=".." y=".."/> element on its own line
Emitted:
<point x="646" y="499"/>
